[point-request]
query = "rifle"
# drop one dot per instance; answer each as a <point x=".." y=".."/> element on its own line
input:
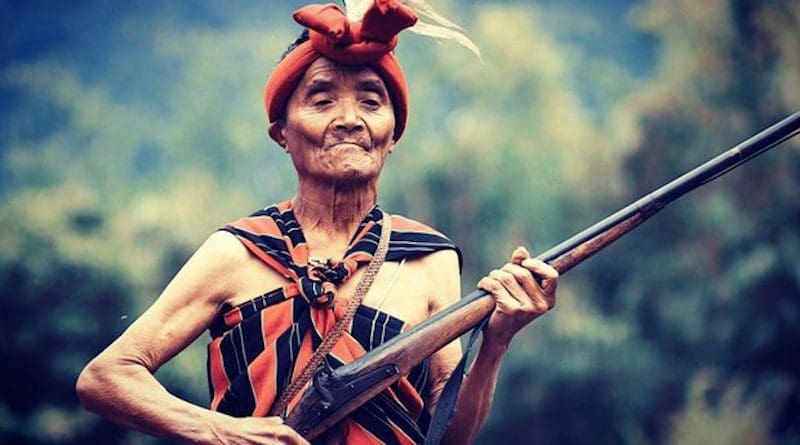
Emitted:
<point x="337" y="392"/>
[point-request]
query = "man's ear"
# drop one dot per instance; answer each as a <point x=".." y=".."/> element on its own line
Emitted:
<point x="277" y="131"/>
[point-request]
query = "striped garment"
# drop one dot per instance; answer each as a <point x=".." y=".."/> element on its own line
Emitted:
<point x="259" y="345"/>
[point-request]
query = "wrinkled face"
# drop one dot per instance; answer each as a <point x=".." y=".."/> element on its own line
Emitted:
<point x="339" y="123"/>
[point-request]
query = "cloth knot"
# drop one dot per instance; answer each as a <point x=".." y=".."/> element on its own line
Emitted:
<point x="329" y="270"/>
<point x="273" y="234"/>
<point x="317" y="293"/>
<point x="355" y="42"/>
<point x="319" y="287"/>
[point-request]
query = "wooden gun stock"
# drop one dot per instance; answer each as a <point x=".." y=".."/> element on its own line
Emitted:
<point x="336" y="393"/>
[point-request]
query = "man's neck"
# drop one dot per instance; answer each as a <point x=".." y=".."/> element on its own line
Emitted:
<point x="330" y="213"/>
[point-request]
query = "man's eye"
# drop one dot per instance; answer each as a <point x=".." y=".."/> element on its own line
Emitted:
<point x="323" y="102"/>
<point x="371" y="103"/>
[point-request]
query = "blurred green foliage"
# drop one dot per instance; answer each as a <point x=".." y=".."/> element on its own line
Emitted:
<point x="59" y="314"/>
<point x="129" y="131"/>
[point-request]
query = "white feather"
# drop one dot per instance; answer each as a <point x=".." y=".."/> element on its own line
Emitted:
<point x="355" y="9"/>
<point x="440" y="32"/>
<point x="423" y="9"/>
<point x="439" y="26"/>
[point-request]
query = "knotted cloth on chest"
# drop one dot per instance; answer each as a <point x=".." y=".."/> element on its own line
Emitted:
<point x="258" y="347"/>
<point x="274" y="235"/>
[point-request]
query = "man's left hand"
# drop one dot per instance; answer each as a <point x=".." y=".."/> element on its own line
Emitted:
<point x="519" y="299"/>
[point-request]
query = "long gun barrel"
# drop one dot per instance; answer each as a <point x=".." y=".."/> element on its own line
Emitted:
<point x="336" y="393"/>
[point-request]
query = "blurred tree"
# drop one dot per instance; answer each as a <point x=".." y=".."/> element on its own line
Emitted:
<point x="715" y="283"/>
<point x="129" y="131"/>
<point x="729" y="417"/>
<point x="711" y="283"/>
<point x="58" y="315"/>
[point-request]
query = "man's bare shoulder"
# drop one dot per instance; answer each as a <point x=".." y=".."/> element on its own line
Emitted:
<point x="210" y="267"/>
<point x="223" y="249"/>
<point x="239" y="273"/>
<point x="441" y="272"/>
<point x="441" y="261"/>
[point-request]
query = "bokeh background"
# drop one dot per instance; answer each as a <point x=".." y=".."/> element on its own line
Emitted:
<point x="130" y="130"/>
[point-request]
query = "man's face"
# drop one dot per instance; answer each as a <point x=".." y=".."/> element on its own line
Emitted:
<point x="339" y="123"/>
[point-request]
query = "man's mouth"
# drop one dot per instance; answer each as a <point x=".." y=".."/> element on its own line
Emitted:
<point x="350" y="143"/>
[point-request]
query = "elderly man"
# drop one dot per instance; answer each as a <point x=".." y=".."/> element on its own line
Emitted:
<point x="272" y="287"/>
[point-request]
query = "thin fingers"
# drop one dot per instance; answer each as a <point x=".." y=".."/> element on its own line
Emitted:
<point x="288" y="435"/>
<point x="540" y="268"/>
<point x="282" y="433"/>
<point x="519" y="255"/>
<point x="512" y="286"/>
<point x="532" y="293"/>
<point x="548" y="277"/>
<point x="501" y="295"/>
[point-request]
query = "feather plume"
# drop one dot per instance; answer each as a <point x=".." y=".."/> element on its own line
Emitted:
<point x="435" y="24"/>
<point x="355" y="9"/>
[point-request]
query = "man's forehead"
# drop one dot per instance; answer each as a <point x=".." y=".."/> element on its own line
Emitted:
<point x="326" y="70"/>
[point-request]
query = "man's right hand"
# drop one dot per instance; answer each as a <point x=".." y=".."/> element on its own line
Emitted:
<point x="255" y="431"/>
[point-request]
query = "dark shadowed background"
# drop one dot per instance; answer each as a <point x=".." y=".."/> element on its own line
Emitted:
<point x="130" y="130"/>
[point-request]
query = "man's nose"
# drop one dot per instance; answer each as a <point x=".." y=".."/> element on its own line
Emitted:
<point x="349" y="119"/>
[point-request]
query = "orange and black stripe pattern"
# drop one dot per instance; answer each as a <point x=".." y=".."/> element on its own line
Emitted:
<point x="259" y="346"/>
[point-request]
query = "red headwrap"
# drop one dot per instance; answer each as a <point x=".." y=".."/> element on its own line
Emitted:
<point x="369" y="41"/>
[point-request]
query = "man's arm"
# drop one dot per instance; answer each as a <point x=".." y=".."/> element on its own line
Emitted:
<point x="519" y="299"/>
<point x="119" y="383"/>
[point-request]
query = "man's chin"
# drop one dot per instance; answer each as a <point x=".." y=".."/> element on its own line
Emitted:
<point x="352" y="176"/>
